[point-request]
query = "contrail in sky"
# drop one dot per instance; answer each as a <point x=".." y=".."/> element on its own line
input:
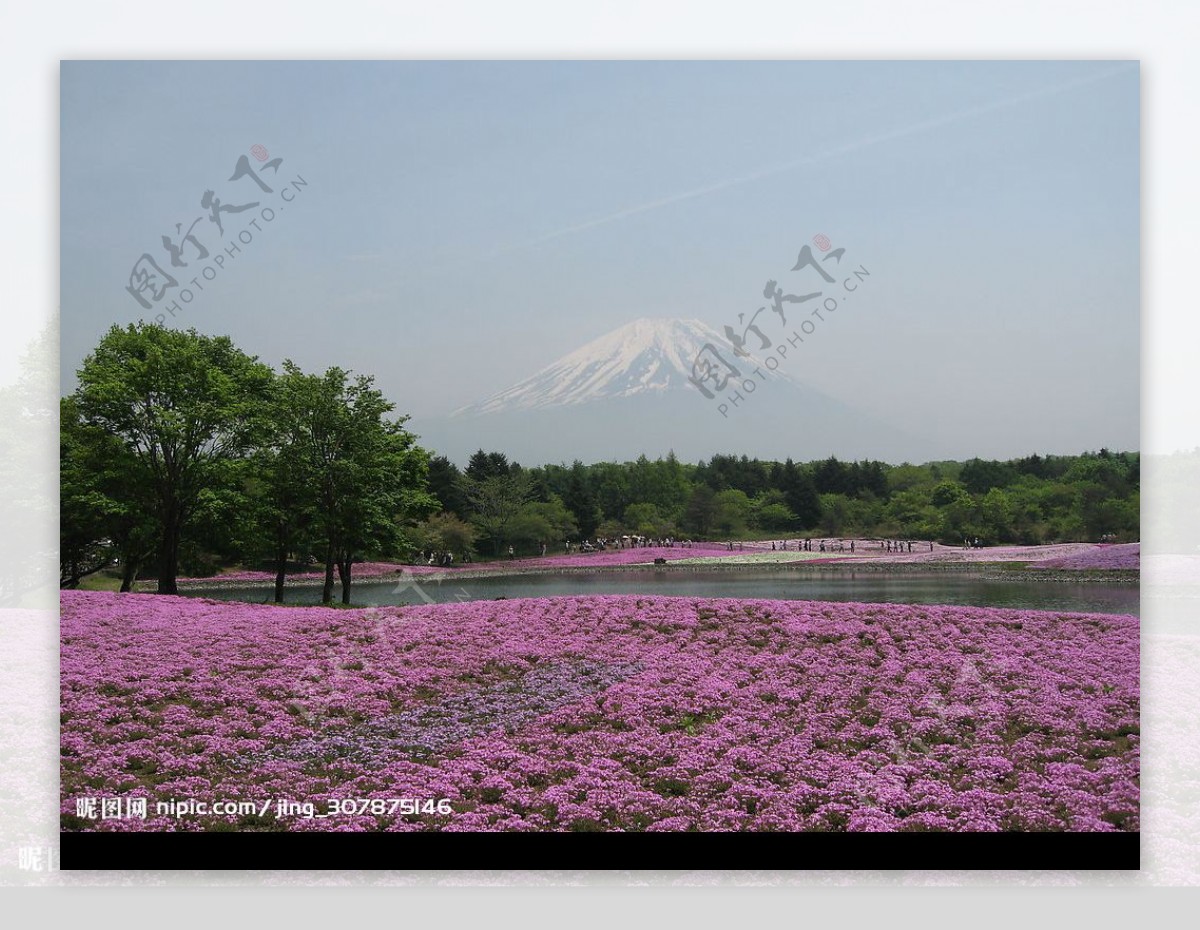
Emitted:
<point x="844" y="149"/>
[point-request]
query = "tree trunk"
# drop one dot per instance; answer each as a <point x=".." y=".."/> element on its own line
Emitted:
<point x="344" y="575"/>
<point x="281" y="555"/>
<point x="327" y="591"/>
<point x="168" y="556"/>
<point x="77" y="573"/>
<point x="129" y="575"/>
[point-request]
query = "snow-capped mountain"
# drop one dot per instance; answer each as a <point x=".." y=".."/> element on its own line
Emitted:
<point x="647" y="356"/>
<point x="627" y="393"/>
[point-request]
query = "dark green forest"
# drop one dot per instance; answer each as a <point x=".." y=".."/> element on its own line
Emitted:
<point x="180" y="454"/>
<point x="1030" y="500"/>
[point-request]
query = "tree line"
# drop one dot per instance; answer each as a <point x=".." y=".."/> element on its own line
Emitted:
<point x="180" y="452"/>
<point x="1031" y="500"/>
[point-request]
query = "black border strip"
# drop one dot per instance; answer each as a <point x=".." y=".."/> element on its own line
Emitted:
<point x="302" y="851"/>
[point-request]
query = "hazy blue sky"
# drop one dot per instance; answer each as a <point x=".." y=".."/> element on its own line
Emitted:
<point x="465" y="224"/>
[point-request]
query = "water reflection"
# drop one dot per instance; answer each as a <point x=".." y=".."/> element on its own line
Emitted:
<point x="841" y="585"/>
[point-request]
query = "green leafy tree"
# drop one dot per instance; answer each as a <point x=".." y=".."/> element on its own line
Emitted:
<point x="997" y="514"/>
<point x="183" y="405"/>
<point x="648" y="520"/>
<point x="286" y="474"/>
<point x="445" y="483"/>
<point x="800" y="493"/>
<point x="662" y="483"/>
<point x="771" y="513"/>
<point x="484" y="465"/>
<point x="611" y="529"/>
<point x="835" y="513"/>
<point x="961" y="519"/>
<point x="910" y="514"/>
<point x="832" y="477"/>
<point x="946" y="493"/>
<point x="862" y="513"/>
<point x="581" y="501"/>
<point x="368" y="476"/>
<point x="701" y="511"/>
<point x="106" y="510"/>
<point x="446" y="532"/>
<point x="548" y="522"/>
<point x="733" y="512"/>
<point x="979" y="476"/>
<point x="495" y="503"/>
<point x="610" y="483"/>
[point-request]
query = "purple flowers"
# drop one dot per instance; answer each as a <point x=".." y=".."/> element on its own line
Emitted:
<point x="606" y="713"/>
<point x="1124" y="556"/>
<point x="430" y="728"/>
<point x="1035" y="555"/>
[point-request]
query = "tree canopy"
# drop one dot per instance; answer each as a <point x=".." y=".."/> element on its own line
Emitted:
<point x="184" y="407"/>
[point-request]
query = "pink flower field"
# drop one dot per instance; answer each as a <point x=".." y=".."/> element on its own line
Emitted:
<point x="602" y="713"/>
<point x="641" y="556"/>
<point x="957" y="554"/>
<point x="1124" y="556"/>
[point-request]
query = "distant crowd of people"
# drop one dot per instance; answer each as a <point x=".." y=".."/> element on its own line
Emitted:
<point x="440" y="557"/>
<point x="604" y="543"/>
<point x="841" y="545"/>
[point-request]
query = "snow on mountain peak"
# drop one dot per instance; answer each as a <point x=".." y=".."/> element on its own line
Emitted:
<point x="645" y="356"/>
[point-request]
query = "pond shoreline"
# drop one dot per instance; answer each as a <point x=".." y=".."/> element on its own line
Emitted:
<point x="984" y="571"/>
